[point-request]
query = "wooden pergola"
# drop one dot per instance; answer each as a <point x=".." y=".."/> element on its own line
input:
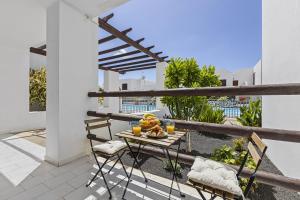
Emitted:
<point x="139" y="59"/>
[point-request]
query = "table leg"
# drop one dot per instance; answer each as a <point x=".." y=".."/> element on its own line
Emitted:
<point x="174" y="170"/>
<point x="134" y="162"/>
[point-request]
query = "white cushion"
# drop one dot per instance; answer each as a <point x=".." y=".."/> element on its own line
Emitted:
<point x="214" y="174"/>
<point x="110" y="147"/>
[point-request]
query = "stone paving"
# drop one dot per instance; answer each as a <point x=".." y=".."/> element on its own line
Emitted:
<point x="25" y="175"/>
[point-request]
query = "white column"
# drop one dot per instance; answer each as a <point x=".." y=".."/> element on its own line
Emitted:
<point x="111" y="83"/>
<point x="160" y="80"/>
<point x="280" y="64"/>
<point x="71" y="74"/>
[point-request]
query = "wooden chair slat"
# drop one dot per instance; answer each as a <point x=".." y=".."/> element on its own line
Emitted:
<point x="211" y="190"/>
<point x="258" y="142"/>
<point x="256" y="157"/>
<point x="88" y="121"/>
<point x="97" y="126"/>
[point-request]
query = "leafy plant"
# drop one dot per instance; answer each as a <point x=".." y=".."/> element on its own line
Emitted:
<point x="238" y="144"/>
<point x="211" y="115"/>
<point x="185" y="73"/>
<point x="100" y="99"/>
<point x="37" y="89"/>
<point x="234" y="155"/>
<point x="251" y="115"/>
<point x="167" y="166"/>
<point x="208" y="78"/>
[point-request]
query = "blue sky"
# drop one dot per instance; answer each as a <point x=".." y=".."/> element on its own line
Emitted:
<point x="224" y="33"/>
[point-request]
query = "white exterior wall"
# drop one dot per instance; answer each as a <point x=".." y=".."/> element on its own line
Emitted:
<point x="37" y="61"/>
<point x="14" y="87"/>
<point x="258" y="73"/>
<point x="281" y="64"/>
<point x="71" y="74"/>
<point x="137" y="84"/>
<point x="244" y="76"/>
<point x="111" y="83"/>
<point x="226" y="75"/>
<point x="23" y="24"/>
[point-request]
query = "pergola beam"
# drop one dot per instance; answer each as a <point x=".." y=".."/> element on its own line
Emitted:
<point x="38" y="51"/>
<point x="111" y="37"/>
<point x="43" y="47"/>
<point x="124" y="54"/>
<point x="137" y="66"/>
<point x="128" y="64"/>
<point x="118" y="47"/>
<point x="119" y="56"/>
<point x="136" y="69"/>
<point x="107" y="27"/>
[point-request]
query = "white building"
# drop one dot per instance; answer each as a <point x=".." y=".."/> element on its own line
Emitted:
<point x="243" y="76"/>
<point x="281" y="64"/>
<point x="136" y="84"/>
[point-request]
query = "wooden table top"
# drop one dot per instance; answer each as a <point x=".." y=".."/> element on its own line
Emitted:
<point x="163" y="142"/>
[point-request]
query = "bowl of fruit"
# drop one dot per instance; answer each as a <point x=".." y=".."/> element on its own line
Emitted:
<point x="149" y="121"/>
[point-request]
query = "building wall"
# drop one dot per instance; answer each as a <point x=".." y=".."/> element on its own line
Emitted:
<point x="23" y="24"/>
<point x="281" y="64"/>
<point x="37" y="61"/>
<point x="137" y="84"/>
<point x="14" y="87"/>
<point x="258" y="73"/>
<point x="244" y="76"/>
<point x="225" y="75"/>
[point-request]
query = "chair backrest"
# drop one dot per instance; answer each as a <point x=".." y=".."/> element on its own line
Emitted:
<point x="257" y="149"/>
<point x="256" y="143"/>
<point x="96" y="123"/>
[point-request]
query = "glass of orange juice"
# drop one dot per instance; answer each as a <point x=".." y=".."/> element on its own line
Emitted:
<point x="170" y="127"/>
<point x="136" y="128"/>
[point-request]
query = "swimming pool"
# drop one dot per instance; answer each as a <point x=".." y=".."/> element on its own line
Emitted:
<point x="231" y="111"/>
<point x="129" y="108"/>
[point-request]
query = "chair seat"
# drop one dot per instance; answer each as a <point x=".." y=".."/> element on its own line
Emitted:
<point x="110" y="147"/>
<point x="214" y="174"/>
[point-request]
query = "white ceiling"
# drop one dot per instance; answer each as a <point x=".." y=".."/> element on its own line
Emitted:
<point x="90" y="7"/>
<point x="23" y="22"/>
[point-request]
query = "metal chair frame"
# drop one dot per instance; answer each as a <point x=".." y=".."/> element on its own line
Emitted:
<point x="116" y="157"/>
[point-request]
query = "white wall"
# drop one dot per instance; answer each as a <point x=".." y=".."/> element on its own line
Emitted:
<point x="281" y="64"/>
<point x="14" y="87"/>
<point x="244" y="76"/>
<point x="72" y="73"/>
<point x="226" y="75"/>
<point x="137" y="84"/>
<point x="111" y="83"/>
<point x="37" y="61"/>
<point x="22" y="26"/>
<point x="258" y="73"/>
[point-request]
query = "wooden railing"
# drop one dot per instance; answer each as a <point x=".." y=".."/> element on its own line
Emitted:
<point x="266" y="133"/>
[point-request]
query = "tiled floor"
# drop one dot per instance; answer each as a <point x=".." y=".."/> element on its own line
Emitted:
<point x="25" y="175"/>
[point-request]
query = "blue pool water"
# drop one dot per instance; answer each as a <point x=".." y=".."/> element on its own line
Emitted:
<point x="129" y="108"/>
<point x="231" y="111"/>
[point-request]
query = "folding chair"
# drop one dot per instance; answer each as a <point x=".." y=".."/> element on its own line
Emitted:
<point x="221" y="180"/>
<point x="109" y="149"/>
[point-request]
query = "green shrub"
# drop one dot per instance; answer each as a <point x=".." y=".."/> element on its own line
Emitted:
<point x="251" y="115"/>
<point x="167" y="166"/>
<point x="185" y="73"/>
<point x="211" y="115"/>
<point x="234" y="155"/>
<point x="37" y="89"/>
